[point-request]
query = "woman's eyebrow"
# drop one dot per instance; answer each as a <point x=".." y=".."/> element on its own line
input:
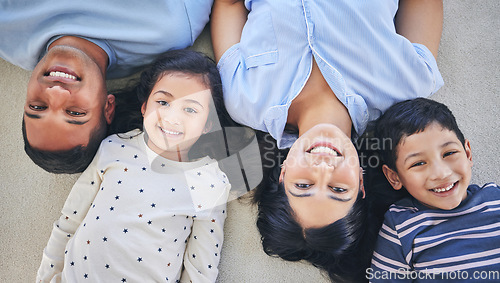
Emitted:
<point x="310" y="194"/>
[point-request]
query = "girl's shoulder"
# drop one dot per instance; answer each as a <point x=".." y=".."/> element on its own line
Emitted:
<point x="122" y="141"/>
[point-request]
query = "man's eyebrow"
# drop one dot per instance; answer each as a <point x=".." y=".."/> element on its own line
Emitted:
<point x="32" y="116"/>
<point x="330" y="196"/>
<point x="74" y="122"/>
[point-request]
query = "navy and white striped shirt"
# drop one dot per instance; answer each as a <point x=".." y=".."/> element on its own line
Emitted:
<point x="433" y="243"/>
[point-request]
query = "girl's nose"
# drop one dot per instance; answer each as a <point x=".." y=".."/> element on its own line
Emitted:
<point x="169" y="115"/>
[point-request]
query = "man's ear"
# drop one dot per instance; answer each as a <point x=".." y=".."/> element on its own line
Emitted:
<point x="393" y="177"/>
<point x="109" y="108"/>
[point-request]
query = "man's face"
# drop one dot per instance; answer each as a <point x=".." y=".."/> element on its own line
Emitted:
<point x="66" y="99"/>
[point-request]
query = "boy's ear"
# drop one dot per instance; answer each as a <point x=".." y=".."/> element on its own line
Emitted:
<point x="109" y="108"/>
<point x="468" y="151"/>
<point x="393" y="177"/>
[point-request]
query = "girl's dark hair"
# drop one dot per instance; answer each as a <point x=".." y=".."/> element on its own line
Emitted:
<point x="343" y="248"/>
<point x="129" y="100"/>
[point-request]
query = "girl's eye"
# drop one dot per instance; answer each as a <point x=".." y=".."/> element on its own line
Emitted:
<point x="420" y="163"/>
<point x="190" y="110"/>
<point x="302" y="186"/>
<point x="449" y="153"/>
<point x="37" y="107"/>
<point x="75" y="113"/>
<point x="163" y="103"/>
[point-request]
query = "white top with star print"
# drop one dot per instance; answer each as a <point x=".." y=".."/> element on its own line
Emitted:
<point x="134" y="216"/>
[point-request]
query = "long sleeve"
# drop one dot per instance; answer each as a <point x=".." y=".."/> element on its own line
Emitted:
<point x="389" y="262"/>
<point x="202" y="255"/>
<point x="74" y="210"/>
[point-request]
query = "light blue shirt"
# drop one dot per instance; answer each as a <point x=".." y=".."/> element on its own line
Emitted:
<point x="366" y="63"/>
<point x="133" y="33"/>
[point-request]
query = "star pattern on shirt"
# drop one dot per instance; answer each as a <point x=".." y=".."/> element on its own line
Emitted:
<point x="118" y="191"/>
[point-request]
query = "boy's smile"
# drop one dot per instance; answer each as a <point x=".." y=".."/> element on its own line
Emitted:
<point x="434" y="167"/>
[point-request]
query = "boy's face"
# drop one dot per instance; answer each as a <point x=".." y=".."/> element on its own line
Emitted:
<point x="176" y="113"/>
<point x="433" y="166"/>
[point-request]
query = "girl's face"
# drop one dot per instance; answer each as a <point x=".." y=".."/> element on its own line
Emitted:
<point x="175" y="114"/>
<point x="321" y="176"/>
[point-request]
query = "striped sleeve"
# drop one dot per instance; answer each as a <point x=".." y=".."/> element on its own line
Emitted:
<point x="388" y="259"/>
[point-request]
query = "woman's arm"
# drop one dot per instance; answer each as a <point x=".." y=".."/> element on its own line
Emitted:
<point x="228" y="19"/>
<point x="421" y="21"/>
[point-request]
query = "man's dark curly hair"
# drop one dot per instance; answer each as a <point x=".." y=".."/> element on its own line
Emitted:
<point x="70" y="161"/>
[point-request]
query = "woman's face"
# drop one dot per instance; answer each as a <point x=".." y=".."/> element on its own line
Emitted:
<point x="321" y="176"/>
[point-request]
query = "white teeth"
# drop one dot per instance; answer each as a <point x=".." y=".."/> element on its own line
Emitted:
<point x="62" y="75"/>
<point x="440" y="190"/>
<point x="323" y="149"/>
<point x="170" y="132"/>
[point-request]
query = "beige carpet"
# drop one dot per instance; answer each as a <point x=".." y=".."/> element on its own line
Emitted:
<point x="30" y="199"/>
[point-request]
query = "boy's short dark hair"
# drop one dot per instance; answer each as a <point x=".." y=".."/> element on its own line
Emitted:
<point x="409" y="117"/>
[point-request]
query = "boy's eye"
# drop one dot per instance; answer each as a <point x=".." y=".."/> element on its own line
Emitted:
<point x="75" y="113"/>
<point x="190" y="110"/>
<point x="449" y="153"/>
<point x="302" y="186"/>
<point x="163" y="103"/>
<point x="420" y="163"/>
<point x="37" y="107"/>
